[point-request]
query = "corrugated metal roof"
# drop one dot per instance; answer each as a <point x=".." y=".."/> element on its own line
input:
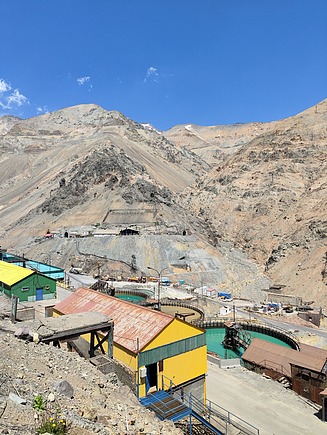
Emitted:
<point x="10" y="273"/>
<point x="134" y="326"/>
<point x="313" y="351"/>
<point x="274" y="356"/>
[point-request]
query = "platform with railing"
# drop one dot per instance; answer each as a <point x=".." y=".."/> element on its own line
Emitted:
<point x="173" y="403"/>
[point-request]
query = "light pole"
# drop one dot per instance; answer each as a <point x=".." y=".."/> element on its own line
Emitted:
<point x="159" y="282"/>
<point x="48" y="258"/>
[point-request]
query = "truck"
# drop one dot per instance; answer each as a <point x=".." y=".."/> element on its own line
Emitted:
<point x="165" y="280"/>
<point x="224" y="295"/>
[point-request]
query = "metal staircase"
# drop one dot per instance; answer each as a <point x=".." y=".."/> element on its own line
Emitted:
<point x="174" y="404"/>
<point x="166" y="406"/>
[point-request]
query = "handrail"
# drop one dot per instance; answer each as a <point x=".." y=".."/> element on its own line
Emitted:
<point x="164" y="410"/>
<point x="171" y="385"/>
<point x="168" y="302"/>
<point x="256" y="323"/>
<point x="144" y="293"/>
<point x="209" y="410"/>
<point x="281" y="331"/>
<point x="217" y="415"/>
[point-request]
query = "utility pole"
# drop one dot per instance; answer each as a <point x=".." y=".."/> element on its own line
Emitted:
<point x="159" y="281"/>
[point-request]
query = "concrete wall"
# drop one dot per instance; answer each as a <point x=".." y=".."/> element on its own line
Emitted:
<point x="310" y="316"/>
<point x="284" y="299"/>
<point x="224" y="363"/>
<point x="24" y="314"/>
<point x="229" y="363"/>
<point x="196" y="387"/>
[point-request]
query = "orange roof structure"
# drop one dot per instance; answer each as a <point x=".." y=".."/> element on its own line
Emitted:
<point x="313" y="351"/>
<point x="134" y="326"/>
<point x="280" y="358"/>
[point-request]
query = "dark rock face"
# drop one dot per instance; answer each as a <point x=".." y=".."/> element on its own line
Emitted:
<point x="318" y="229"/>
<point x="144" y="191"/>
<point x="105" y="166"/>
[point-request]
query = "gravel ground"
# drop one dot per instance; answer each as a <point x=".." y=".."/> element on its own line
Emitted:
<point x="100" y="404"/>
<point x="263" y="403"/>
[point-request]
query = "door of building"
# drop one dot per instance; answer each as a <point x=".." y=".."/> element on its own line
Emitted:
<point x="39" y="294"/>
<point x="151" y="376"/>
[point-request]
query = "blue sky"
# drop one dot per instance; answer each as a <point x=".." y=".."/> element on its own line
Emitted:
<point x="164" y="62"/>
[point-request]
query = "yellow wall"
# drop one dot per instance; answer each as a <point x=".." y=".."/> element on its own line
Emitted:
<point x="142" y="386"/>
<point x="186" y="366"/>
<point x="180" y="369"/>
<point x="125" y="356"/>
<point x="175" y="331"/>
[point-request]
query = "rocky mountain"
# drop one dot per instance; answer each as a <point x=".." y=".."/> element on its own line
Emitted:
<point x="260" y="187"/>
<point x="213" y="143"/>
<point x="269" y="196"/>
<point x="7" y="122"/>
<point x="89" y="158"/>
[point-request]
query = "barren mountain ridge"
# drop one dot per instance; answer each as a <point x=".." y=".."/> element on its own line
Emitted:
<point x="261" y="187"/>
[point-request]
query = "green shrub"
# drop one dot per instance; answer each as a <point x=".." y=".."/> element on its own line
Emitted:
<point x="39" y="403"/>
<point x="49" y="417"/>
<point x="53" y="425"/>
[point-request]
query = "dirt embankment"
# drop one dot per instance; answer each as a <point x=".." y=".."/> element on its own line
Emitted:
<point x="94" y="403"/>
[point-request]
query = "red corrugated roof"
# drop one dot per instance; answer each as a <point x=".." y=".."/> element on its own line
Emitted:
<point x="274" y="356"/>
<point x="313" y="351"/>
<point x="131" y="322"/>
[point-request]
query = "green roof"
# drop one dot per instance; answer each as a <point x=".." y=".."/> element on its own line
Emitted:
<point x="11" y="274"/>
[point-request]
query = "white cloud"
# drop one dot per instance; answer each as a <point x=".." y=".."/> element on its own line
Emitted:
<point x="17" y="99"/>
<point x="82" y="80"/>
<point x="10" y="99"/>
<point x="4" y="86"/>
<point x="151" y="74"/>
<point x="42" y="109"/>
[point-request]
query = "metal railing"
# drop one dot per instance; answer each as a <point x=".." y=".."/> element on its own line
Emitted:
<point x="215" y="415"/>
<point x="255" y="325"/>
<point x="168" y="302"/>
<point x="166" y="410"/>
<point x="218" y="416"/>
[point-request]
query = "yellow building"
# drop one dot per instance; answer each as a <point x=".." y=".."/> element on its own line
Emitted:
<point x="159" y="349"/>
